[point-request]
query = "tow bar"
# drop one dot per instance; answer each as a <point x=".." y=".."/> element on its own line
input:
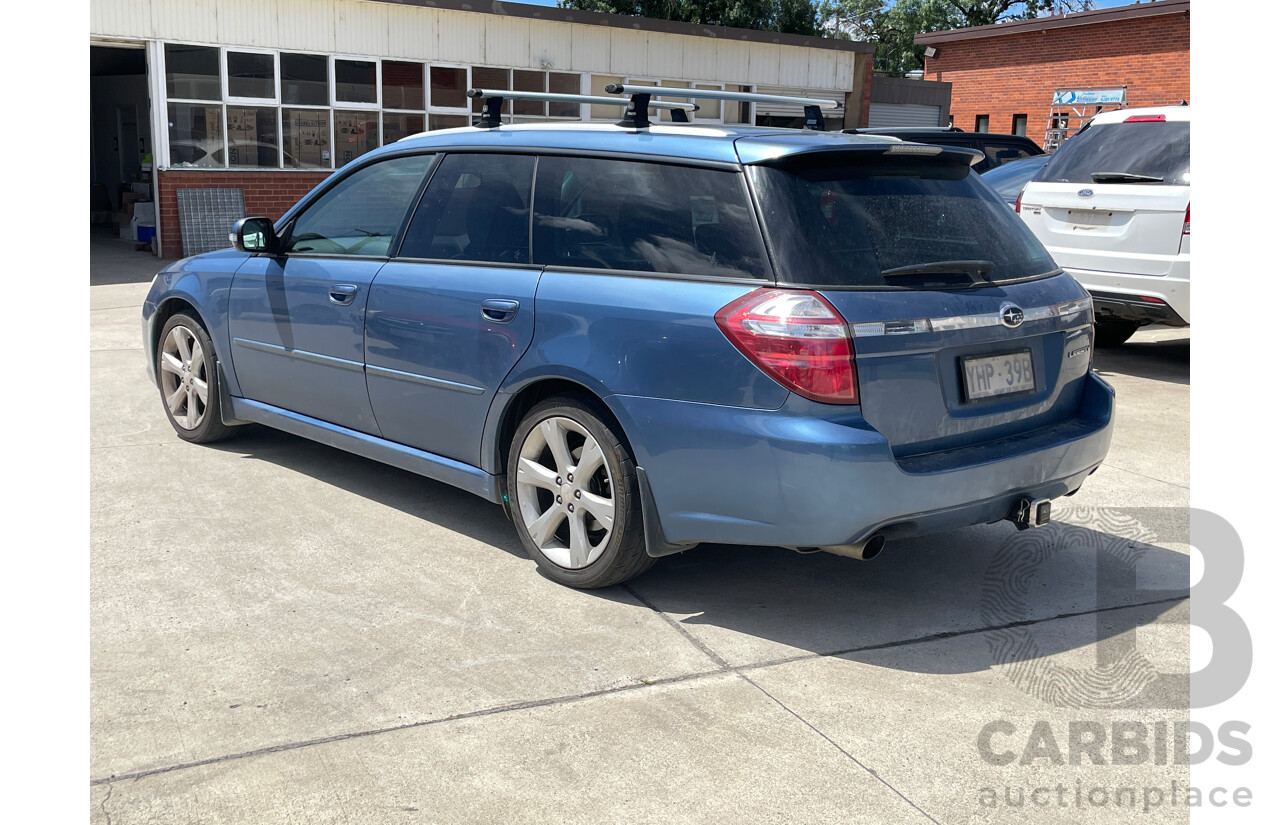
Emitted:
<point x="1028" y="513"/>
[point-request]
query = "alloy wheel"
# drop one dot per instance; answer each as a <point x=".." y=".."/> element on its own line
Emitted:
<point x="184" y="377"/>
<point x="564" y="492"/>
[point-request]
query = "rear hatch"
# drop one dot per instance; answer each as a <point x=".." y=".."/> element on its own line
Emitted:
<point x="1115" y="197"/>
<point x="965" y="332"/>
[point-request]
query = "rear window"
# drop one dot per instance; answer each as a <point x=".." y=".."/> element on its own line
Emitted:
<point x="835" y="223"/>
<point x="1159" y="151"/>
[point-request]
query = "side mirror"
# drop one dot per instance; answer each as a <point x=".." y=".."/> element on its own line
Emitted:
<point x="254" y="235"/>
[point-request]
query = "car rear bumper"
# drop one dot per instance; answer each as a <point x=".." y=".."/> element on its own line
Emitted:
<point x="739" y="476"/>
<point x="1120" y="294"/>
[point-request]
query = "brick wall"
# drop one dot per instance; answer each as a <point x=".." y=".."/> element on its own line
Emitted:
<point x="1017" y="73"/>
<point x="265" y="193"/>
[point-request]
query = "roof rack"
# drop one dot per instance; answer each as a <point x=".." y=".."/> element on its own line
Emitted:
<point x="637" y="114"/>
<point x="491" y="113"/>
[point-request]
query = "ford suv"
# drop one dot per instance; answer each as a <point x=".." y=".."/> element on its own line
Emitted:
<point x="1113" y="207"/>
<point x="636" y="340"/>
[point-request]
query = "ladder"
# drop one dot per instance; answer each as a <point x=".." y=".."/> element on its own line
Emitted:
<point x="1071" y="109"/>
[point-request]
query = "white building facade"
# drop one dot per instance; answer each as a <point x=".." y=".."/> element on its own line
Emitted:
<point x="270" y="96"/>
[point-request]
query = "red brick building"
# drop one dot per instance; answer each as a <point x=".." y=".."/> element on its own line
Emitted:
<point x="1003" y="77"/>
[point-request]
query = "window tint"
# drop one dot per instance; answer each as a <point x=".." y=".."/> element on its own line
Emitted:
<point x="363" y="212"/>
<point x="650" y="217"/>
<point x="1150" y="149"/>
<point x="475" y="209"/>
<point x="837" y="223"/>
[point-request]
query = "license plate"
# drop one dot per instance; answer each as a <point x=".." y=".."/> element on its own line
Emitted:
<point x="999" y="374"/>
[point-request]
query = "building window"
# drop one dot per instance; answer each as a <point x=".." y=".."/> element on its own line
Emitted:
<point x="402" y="86"/>
<point x="192" y="72"/>
<point x="982" y="123"/>
<point x="448" y="88"/>
<point x="306" y="139"/>
<point x="252" y="136"/>
<point x="251" y="75"/>
<point x="396" y="125"/>
<point x="564" y="83"/>
<point x="1019" y="124"/>
<point x="355" y="81"/>
<point x="304" y="79"/>
<point x="354" y="133"/>
<point x="195" y="135"/>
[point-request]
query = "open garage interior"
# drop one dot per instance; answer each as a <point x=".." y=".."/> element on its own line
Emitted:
<point x="120" y="151"/>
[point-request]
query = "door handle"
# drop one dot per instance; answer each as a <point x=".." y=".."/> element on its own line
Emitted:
<point x="499" y="310"/>
<point x="342" y="294"/>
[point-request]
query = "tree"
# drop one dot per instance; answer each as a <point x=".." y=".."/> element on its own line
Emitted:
<point x="892" y="26"/>
<point x="789" y="16"/>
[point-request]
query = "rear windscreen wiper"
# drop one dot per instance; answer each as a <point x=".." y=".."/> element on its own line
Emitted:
<point x="974" y="269"/>
<point x="1124" y="177"/>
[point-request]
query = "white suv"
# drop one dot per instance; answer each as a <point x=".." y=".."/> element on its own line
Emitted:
<point x="1113" y="207"/>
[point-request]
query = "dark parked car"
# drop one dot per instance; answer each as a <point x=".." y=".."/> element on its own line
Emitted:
<point x="999" y="149"/>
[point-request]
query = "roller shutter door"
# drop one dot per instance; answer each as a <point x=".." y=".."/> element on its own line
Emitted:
<point x="904" y="114"/>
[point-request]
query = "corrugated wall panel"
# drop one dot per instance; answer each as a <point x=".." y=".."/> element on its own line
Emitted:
<point x="249" y="22"/>
<point x="306" y="26"/>
<point x="128" y="18"/>
<point x="793" y="66"/>
<point x="666" y="55"/>
<point x="733" y="62"/>
<point x="506" y="41"/>
<point x="765" y="64"/>
<point x="360" y="28"/>
<point x="822" y="69"/>
<point x="628" y="52"/>
<point x="195" y="20"/>
<point x="413" y="32"/>
<point x="461" y="38"/>
<point x="550" y="42"/>
<point x="590" y="49"/>
<point x="701" y="58"/>
<point x="845" y="64"/>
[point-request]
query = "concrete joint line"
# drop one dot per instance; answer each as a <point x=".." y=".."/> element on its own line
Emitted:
<point x="721" y="669"/>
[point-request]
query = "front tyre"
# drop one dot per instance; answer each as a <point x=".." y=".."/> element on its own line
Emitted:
<point x="574" y="496"/>
<point x="188" y="377"/>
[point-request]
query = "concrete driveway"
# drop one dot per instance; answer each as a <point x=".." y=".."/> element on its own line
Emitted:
<point x="282" y="632"/>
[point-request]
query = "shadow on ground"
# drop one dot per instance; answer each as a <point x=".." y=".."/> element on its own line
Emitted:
<point x="754" y="604"/>
<point x="1166" y="359"/>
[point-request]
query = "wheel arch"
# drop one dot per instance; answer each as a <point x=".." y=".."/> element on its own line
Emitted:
<point x="506" y="416"/>
<point x="169" y="307"/>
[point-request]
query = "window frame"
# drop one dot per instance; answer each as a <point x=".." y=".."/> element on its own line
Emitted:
<point x="335" y="103"/>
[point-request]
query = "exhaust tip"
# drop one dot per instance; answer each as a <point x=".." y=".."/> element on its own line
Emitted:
<point x="873" y="547"/>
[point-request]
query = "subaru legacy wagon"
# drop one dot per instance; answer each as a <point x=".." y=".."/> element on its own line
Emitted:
<point x="639" y="340"/>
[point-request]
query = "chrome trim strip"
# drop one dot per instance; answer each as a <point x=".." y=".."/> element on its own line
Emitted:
<point x="414" y="378"/>
<point x="300" y="354"/>
<point x="955" y="322"/>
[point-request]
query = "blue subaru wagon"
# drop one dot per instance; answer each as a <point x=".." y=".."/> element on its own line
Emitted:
<point x="639" y="340"/>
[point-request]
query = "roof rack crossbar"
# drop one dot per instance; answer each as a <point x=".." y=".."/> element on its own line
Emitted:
<point x="717" y="94"/>
<point x="490" y="115"/>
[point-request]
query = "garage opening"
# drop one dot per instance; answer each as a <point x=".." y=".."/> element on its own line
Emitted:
<point x="122" y="202"/>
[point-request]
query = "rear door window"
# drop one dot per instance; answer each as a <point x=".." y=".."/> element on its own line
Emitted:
<point x="1155" y="152"/>
<point x="601" y="213"/>
<point x="847" y="221"/>
<point x="476" y="208"/>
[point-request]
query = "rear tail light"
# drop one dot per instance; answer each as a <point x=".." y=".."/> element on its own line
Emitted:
<point x="1186" y="224"/>
<point x="1144" y="119"/>
<point x="1150" y="299"/>
<point x="797" y="339"/>
<point x="1017" y="204"/>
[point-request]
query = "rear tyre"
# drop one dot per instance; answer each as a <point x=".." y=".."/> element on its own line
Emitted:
<point x="1113" y="333"/>
<point x="187" y="372"/>
<point x="574" y="495"/>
